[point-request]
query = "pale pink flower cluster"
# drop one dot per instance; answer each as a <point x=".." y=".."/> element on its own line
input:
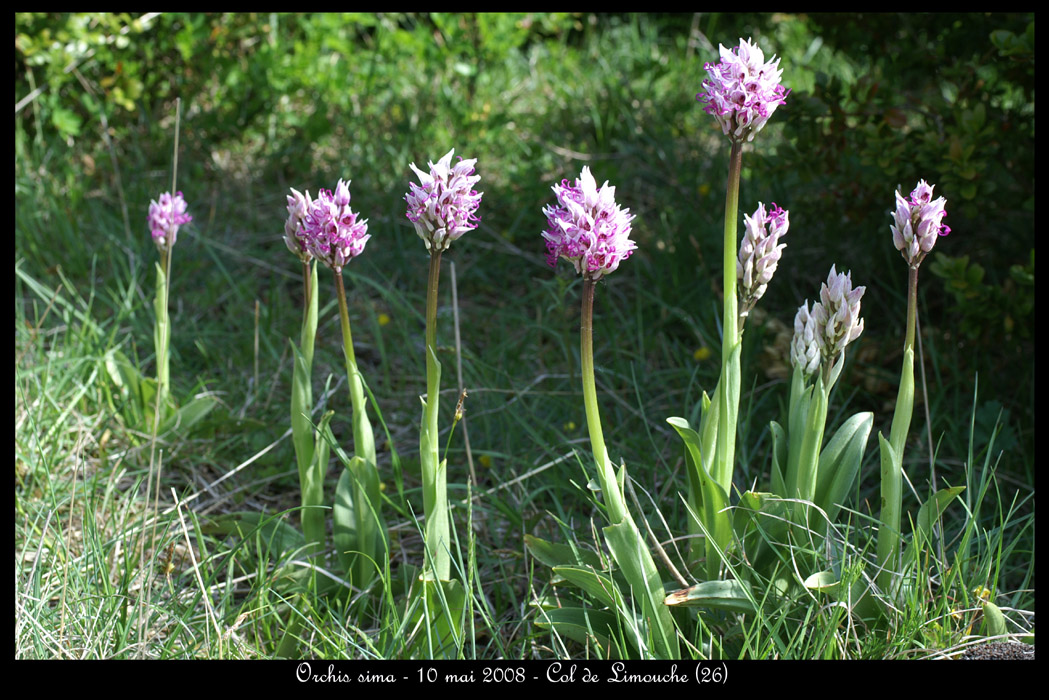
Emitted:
<point x="821" y="335"/>
<point x="837" y="314"/>
<point x="587" y="227"/>
<point x="298" y="206"/>
<point x="805" y="347"/>
<point x="918" y="222"/>
<point x="760" y="252"/>
<point x="443" y="206"/>
<point x="165" y="217"/>
<point x="743" y="90"/>
<point x="330" y="231"/>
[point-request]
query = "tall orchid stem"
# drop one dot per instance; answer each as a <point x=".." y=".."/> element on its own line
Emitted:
<point x="609" y="484"/>
<point x="363" y="439"/>
<point x="306" y="286"/>
<point x="728" y="385"/>
<point x="435" y="484"/>
<point x="731" y="320"/>
<point x="892" y="467"/>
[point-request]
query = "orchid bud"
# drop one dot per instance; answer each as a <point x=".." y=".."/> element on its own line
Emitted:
<point x="759" y="253"/>
<point x="805" y="347"/>
<point x="838" y="321"/>
<point x="298" y="206"/>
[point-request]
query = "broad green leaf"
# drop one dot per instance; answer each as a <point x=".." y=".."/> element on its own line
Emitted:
<point x="891" y="503"/>
<point x="840" y="463"/>
<point x="275" y="534"/>
<point x="728" y="410"/>
<point x="730" y="596"/>
<point x="598" y="585"/>
<point x="633" y="557"/>
<point x="928" y="515"/>
<point x="760" y="521"/>
<point x="358" y="528"/>
<point x="584" y="626"/>
<point x="435" y="627"/>
<point x="779" y="449"/>
<point x="710" y="501"/>
<point x="185" y="418"/>
<point x="552" y="554"/>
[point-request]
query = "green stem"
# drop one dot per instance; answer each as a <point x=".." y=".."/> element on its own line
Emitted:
<point x="163" y="336"/>
<point x="311" y="476"/>
<point x="901" y="419"/>
<point x="609" y="485"/>
<point x="434" y="474"/>
<point x="363" y="438"/>
<point x="306" y="289"/>
<point x="728" y="385"/>
<point x="730" y="334"/>
<point x="622" y="536"/>
<point x="892" y="465"/>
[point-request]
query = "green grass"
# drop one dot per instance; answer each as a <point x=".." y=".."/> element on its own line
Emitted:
<point x="105" y="570"/>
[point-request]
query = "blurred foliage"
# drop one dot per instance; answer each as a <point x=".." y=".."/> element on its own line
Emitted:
<point x="986" y="312"/>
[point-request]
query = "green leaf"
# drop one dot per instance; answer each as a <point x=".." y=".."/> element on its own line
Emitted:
<point x="129" y="383"/>
<point x="709" y="501"/>
<point x="435" y="619"/>
<point x="358" y="528"/>
<point x="598" y="585"/>
<point x="779" y="448"/>
<point x="188" y="416"/>
<point x="840" y="463"/>
<point x="891" y="503"/>
<point x="928" y="515"/>
<point x="553" y="555"/>
<point x="66" y="121"/>
<point x="301" y="406"/>
<point x="631" y="554"/>
<point x="824" y="581"/>
<point x="760" y="522"/>
<point x="731" y="596"/>
<point x="585" y="626"/>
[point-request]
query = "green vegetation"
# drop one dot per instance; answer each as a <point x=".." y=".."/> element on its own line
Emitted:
<point x="106" y="568"/>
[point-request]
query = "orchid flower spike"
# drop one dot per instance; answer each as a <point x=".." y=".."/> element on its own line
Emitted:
<point x="165" y="216"/>
<point x="743" y="90"/>
<point x="330" y="230"/>
<point x="759" y="253"/>
<point x="444" y="205"/>
<point x="587" y="227"/>
<point x="918" y="223"/>
<point x="837" y="315"/>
